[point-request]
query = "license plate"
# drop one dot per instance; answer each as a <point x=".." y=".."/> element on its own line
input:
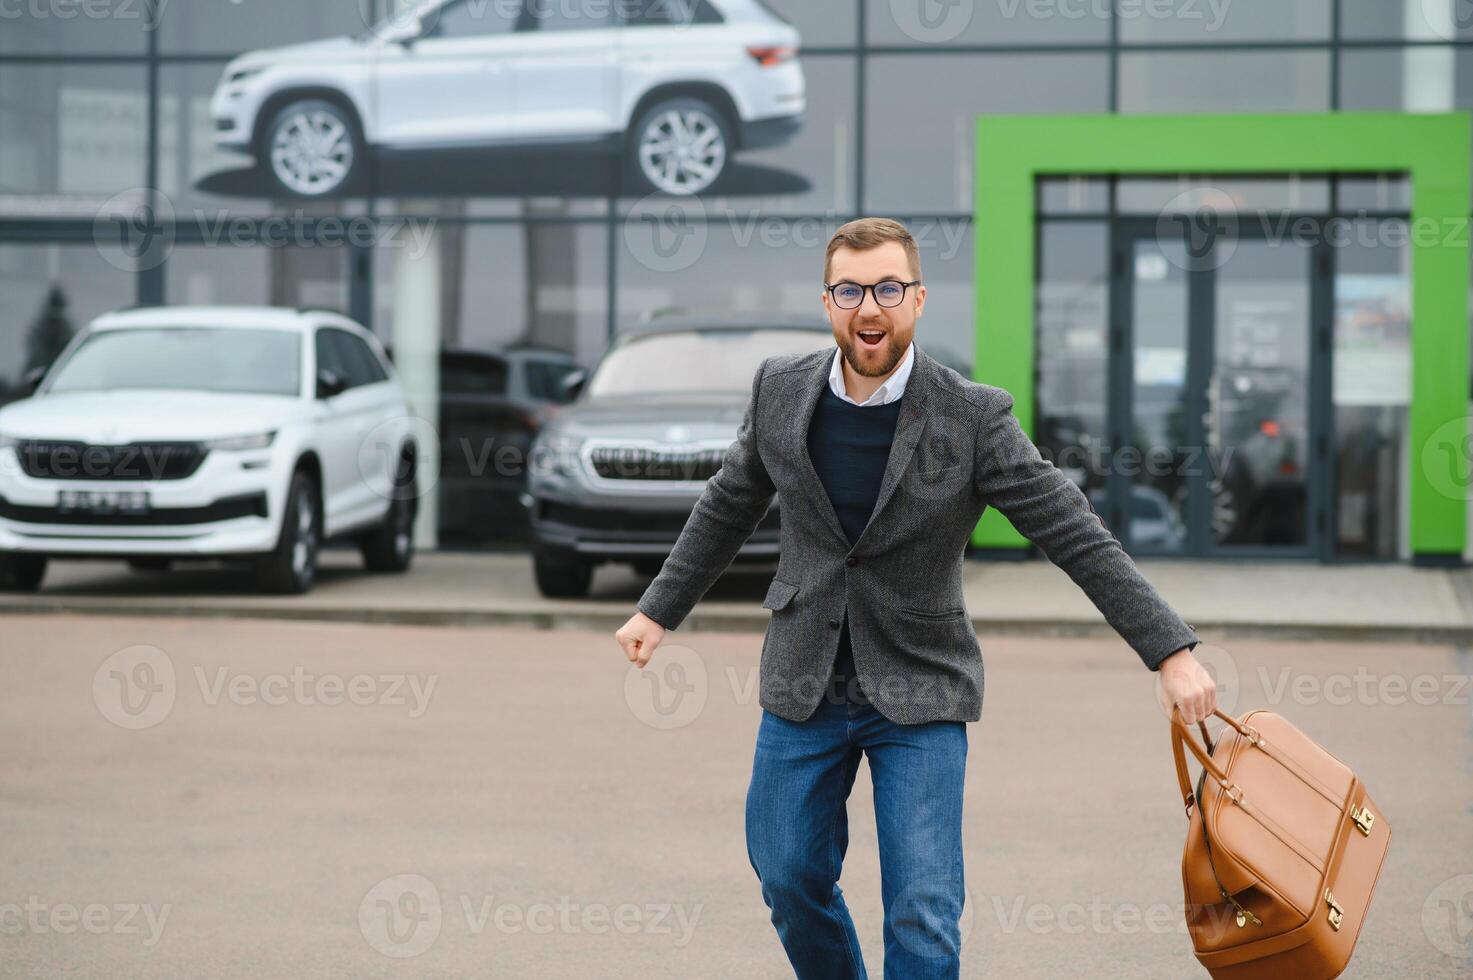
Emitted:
<point x="103" y="501"/>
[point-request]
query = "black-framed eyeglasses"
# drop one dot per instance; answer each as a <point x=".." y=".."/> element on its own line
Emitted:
<point x="887" y="292"/>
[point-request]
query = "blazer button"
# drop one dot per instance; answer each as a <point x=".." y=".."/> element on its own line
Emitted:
<point x="851" y="561"/>
<point x="834" y="623"/>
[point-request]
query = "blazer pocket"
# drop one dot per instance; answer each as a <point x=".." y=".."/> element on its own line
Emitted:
<point x="934" y="614"/>
<point x="779" y="594"/>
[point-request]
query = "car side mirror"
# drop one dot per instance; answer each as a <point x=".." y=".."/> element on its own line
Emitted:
<point x="406" y="33"/>
<point x="330" y="383"/>
<point x="572" y="383"/>
<point x="32" y="379"/>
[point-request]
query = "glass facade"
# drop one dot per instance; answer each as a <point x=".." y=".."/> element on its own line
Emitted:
<point x="558" y="247"/>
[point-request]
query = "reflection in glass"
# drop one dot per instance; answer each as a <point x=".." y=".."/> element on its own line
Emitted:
<point x="1257" y="421"/>
<point x="694" y="362"/>
<point x="1372" y="389"/>
<point x="1073" y="320"/>
<point x="1159" y="329"/>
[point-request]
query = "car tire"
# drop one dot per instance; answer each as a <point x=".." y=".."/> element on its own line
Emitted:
<point x="389" y="547"/>
<point x="651" y="171"/>
<point x="20" y="572"/>
<point x="150" y="564"/>
<point x="560" y="575"/>
<point x="291" y="567"/>
<point x="290" y="133"/>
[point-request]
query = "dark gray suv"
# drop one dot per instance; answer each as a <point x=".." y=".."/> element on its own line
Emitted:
<point x="615" y="476"/>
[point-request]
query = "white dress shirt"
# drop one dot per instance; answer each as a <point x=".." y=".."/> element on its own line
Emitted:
<point x="892" y="389"/>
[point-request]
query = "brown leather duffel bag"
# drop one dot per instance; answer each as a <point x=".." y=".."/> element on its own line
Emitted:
<point x="1284" y="846"/>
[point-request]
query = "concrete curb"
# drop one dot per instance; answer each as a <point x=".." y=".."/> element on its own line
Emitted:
<point x="736" y="621"/>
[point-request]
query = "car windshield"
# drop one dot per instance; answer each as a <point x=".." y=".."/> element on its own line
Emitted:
<point x="256" y="361"/>
<point x="695" y="361"/>
<point x="395" y="23"/>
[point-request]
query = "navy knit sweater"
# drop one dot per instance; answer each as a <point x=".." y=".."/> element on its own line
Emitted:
<point x="850" y="445"/>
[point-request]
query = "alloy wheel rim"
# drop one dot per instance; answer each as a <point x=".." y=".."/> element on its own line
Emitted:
<point x="304" y="547"/>
<point x="311" y="152"/>
<point x="682" y="151"/>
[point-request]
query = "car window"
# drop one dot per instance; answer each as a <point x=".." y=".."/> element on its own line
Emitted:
<point x="551" y="15"/>
<point x="330" y="356"/>
<point x="696" y="361"/>
<point x="473" y="376"/>
<point x="354" y="357"/>
<point x="666" y="13"/>
<point x="259" y="361"/>
<point x="474" y="18"/>
<point x="544" y="379"/>
<point x="362" y="362"/>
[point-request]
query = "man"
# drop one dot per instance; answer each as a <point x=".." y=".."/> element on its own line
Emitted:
<point x="884" y="460"/>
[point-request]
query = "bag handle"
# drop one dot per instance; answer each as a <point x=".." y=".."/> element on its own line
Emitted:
<point x="1180" y="736"/>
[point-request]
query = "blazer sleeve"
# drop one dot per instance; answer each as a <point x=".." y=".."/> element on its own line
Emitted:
<point x="1051" y="511"/>
<point x="732" y="504"/>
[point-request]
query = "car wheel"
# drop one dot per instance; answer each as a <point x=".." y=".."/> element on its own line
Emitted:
<point x="312" y="148"/>
<point x="150" y="564"/>
<point x="21" y="572"/>
<point x="390" y="546"/>
<point x="291" y="566"/>
<point x="679" y="146"/>
<point x="561" y="576"/>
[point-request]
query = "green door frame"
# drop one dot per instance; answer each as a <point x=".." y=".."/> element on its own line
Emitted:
<point x="1432" y="149"/>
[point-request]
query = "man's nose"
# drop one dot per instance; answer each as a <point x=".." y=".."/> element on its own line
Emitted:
<point x="869" y="306"/>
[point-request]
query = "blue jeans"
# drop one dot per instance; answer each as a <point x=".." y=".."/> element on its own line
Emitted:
<point x="798" y="830"/>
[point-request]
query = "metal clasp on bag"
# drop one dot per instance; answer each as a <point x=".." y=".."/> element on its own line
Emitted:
<point x="1363" y="818"/>
<point x="1337" y="914"/>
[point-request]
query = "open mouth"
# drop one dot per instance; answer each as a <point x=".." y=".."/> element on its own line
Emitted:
<point x="871" y="339"/>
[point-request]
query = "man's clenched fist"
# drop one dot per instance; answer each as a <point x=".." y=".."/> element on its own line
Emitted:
<point x="1184" y="681"/>
<point x="639" y="637"/>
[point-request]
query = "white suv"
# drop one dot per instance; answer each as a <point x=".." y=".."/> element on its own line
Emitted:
<point x="677" y="85"/>
<point x="249" y="432"/>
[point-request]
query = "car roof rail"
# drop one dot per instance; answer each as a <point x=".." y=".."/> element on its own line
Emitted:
<point x="322" y="309"/>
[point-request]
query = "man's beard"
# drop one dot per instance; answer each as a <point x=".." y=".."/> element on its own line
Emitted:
<point x="894" y="352"/>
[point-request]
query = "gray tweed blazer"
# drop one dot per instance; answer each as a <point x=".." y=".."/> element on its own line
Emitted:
<point x="958" y="448"/>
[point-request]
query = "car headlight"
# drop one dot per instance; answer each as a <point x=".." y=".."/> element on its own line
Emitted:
<point x="554" y="454"/>
<point x="237" y="443"/>
<point x="243" y="74"/>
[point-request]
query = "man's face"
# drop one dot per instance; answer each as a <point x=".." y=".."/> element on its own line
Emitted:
<point x="888" y="329"/>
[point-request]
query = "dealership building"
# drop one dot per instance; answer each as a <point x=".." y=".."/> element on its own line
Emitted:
<point x="1188" y="236"/>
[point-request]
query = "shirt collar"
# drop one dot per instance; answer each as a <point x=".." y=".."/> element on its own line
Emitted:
<point x="892" y="389"/>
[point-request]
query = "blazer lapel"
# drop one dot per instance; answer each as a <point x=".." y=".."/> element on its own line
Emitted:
<point x="814" y="384"/>
<point x="907" y="434"/>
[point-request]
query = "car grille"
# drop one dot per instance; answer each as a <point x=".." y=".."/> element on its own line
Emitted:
<point x="634" y="463"/>
<point x="53" y="460"/>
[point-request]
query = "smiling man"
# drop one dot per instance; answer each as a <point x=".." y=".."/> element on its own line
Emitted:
<point x="883" y="460"/>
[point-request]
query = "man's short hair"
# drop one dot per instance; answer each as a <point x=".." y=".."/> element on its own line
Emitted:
<point x="863" y="233"/>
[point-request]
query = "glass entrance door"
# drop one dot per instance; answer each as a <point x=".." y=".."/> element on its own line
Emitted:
<point x="1217" y="410"/>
